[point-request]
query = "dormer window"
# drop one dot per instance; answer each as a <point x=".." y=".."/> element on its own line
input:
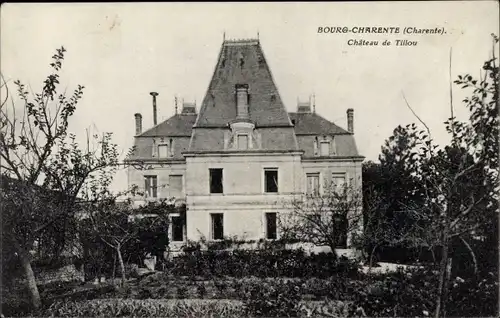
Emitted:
<point x="166" y="150"/>
<point x="163" y="151"/>
<point x="325" y="148"/>
<point x="243" y="142"/>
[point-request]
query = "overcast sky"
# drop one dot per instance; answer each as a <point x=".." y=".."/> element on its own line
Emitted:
<point x="121" y="52"/>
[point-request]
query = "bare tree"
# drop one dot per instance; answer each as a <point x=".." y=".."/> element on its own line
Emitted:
<point x="48" y="167"/>
<point x="326" y="218"/>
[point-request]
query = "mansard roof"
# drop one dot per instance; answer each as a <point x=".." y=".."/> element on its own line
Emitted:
<point x="314" y="124"/>
<point x="243" y="62"/>
<point x="180" y="125"/>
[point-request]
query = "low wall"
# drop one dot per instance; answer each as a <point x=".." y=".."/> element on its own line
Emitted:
<point x="308" y="248"/>
<point x="62" y="274"/>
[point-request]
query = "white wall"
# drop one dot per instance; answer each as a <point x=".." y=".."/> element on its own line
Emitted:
<point x="243" y="202"/>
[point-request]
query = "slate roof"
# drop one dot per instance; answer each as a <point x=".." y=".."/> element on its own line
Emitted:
<point x="314" y="124"/>
<point x="242" y="62"/>
<point x="179" y="125"/>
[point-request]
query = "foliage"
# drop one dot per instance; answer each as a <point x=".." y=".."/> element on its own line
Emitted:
<point x="411" y="293"/>
<point x="262" y="263"/>
<point x="45" y="168"/>
<point x="131" y="232"/>
<point x="474" y="297"/>
<point x="141" y="308"/>
<point x="400" y="294"/>
<point x="281" y="299"/>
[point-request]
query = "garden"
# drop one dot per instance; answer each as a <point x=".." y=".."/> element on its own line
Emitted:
<point x="268" y="282"/>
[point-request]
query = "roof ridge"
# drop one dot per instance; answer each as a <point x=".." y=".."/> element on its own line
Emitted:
<point x="275" y="85"/>
<point x="251" y="41"/>
<point x="203" y="104"/>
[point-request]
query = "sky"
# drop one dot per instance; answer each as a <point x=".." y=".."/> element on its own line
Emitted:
<point x="122" y="51"/>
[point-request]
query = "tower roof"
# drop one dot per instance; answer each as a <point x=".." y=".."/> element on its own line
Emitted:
<point x="242" y="62"/>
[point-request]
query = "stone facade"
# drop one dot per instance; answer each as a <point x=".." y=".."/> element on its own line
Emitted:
<point x="243" y="157"/>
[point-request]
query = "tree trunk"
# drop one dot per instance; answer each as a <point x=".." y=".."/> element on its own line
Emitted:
<point x="122" y="265"/>
<point x="30" y="277"/>
<point x="442" y="276"/>
<point x="114" y="268"/>
<point x="433" y="255"/>
<point x="446" y="283"/>
<point x="370" y="264"/>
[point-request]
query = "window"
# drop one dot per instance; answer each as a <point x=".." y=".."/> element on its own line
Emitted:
<point x="242" y="142"/>
<point x="217" y="226"/>
<point x="333" y="147"/>
<point x="175" y="186"/>
<point x="341" y="225"/>
<point x="312" y="183"/>
<point x="271" y="232"/>
<point x="154" y="149"/>
<point x="163" y="151"/>
<point x="338" y="180"/>
<point x="151" y="186"/>
<point x="177" y="229"/>
<point x="216" y="181"/>
<point x="271" y="180"/>
<point x="325" y="148"/>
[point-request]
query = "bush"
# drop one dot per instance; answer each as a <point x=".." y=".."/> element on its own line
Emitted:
<point x="182" y="292"/>
<point x="473" y="297"/>
<point x="402" y="294"/>
<point x="262" y="263"/>
<point x="413" y="293"/>
<point x="273" y="300"/>
<point x="141" y="308"/>
<point x="201" y="290"/>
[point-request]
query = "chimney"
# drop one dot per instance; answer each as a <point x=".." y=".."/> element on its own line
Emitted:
<point x="303" y="107"/>
<point x="350" y="120"/>
<point x="242" y="101"/>
<point x="154" y="94"/>
<point x="138" y="124"/>
<point x="188" y="108"/>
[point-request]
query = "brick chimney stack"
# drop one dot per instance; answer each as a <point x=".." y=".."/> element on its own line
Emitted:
<point x="350" y="120"/>
<point x="242" y="101"/>
<point x="154" y="94"/>
<point x="138" y="124"/>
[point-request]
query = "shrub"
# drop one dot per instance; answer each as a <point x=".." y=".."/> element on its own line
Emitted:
<point x="262" y="263"/>
<point x="473" y="297"/>
<point x="182" y="292"/>
<point x="201" y="290"/>
<point x="413" y="293"/>
<point x="141" y="308"/>
<point x="273" y="300"/>
<point x="403" y="293"/>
